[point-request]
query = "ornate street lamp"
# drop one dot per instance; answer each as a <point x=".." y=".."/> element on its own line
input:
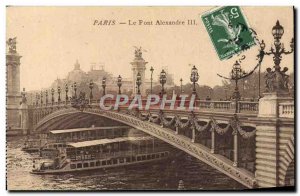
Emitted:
<point x="41" y="97"/>
<point x="276" y="80"/>
<point x="237" y="73"/>
<point x="46" y="93"/>
<point x="31" y="99"/>
<point x="52" y="96"/>
<point x="75" y="89"/>
<point x="151" y="69"/>
<point x="138" y="82"/>
<point x="104" y="84"/>
<point x="91" y="85"/>
<point x="36" y="99"/>
<point x="162" y="80"/>
<point x="194" y="78"/>
<point x="181" y="85"/>
<point x="67" y="90"/>
<point x="119" y="83"/>
<point x="58" y="91"/>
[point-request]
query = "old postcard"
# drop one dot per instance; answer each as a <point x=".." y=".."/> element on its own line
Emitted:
<point x="150" y="98"/>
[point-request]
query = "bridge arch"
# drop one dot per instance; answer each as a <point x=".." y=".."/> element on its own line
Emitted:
<point x="70" y="119"/>
<point x="167" y="135"/>
<point x="286" y="164"/>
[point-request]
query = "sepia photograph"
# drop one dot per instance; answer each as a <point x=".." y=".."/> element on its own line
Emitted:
<point x="165" y="98"/>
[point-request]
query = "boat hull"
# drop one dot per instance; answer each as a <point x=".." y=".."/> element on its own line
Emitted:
<point x="67" y="168"/>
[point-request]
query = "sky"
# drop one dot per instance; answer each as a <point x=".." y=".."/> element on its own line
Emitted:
<point x="51" y="39"/>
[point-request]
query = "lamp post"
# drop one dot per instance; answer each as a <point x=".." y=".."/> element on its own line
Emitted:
<point x="41" y="98"/>
<point x="180" y="85"/>
<point x="276" y="80"/>
<point x="36" y="99"/>
<point x="119" y="83"/>
<point x="151" y="79"/>
<point x="67" y="90"/>
<point x="259" y="71"/>
<point x="52" y="94"/>
<point x="46" y="93"/>
<point x="194" y="78"/>
<point x="138" y="82"/>
<point x="75" y="89"/>
<point x="91" y="86"/>
<point x="58" y="91"/>
<point x="162" y="80"/>
<point x="245" y="87"/>
<point x="237" y="73"/>
<point x="103" y="84"/>
<point x="31" y="99"/>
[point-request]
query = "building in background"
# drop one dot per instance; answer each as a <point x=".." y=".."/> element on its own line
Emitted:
<point x="97" y="73"/>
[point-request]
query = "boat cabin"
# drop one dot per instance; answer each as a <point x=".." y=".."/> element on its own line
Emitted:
<point x="122" y="146"/>
<point x="85" y="134"/>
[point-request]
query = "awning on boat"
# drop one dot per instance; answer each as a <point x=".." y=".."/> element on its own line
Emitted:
<point x="85" y="129"/>
<point x="108" y="141"/>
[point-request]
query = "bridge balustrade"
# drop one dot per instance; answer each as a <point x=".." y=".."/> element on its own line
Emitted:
<point x="248" y="106"/>
<point x="205" y="105"/>
<point x="286" y="110"/>
<point x="244" y="106"/>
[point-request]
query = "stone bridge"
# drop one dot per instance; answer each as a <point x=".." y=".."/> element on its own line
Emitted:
<point x="254" y="147"/>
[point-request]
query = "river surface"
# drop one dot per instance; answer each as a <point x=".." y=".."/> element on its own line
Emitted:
<point x="163" y="175"/>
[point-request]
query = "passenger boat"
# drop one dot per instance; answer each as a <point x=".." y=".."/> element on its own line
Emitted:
<point x="57" y="139"/>
<point x="104" y="153"/>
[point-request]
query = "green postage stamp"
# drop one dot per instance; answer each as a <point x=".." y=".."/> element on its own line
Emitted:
<point x="228" y="30"/>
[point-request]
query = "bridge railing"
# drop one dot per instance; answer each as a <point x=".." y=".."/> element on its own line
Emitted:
<point x="223" y="105"/>
<point x="248" y="106"/>
<point x="286" y="110"/>
<point x="204" y="105"/>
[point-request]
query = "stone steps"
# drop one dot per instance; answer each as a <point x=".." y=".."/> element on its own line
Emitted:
<point x="264" y="181"/>
<point x="266" y="133"/>
<point x="262" y="144"/>
<point x="271" y="175"/>
<point x="266" y="139"/>
<point x="266" y="156"/>
<point x="266" y="168"/>
<point x="266" y="151"/>
<point x="265" y="162"/>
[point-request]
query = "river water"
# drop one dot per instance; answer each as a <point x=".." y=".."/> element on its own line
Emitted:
<point x="163" y="175"/>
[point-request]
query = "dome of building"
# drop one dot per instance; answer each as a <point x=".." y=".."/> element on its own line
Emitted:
<point x="77" y="75"/>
